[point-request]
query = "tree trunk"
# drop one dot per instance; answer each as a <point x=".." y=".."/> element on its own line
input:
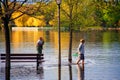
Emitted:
<point x="70" y="44"/>
<point x="59" y="36"/>
<point x="7" y="43"/>
<point x="71" y="23"/>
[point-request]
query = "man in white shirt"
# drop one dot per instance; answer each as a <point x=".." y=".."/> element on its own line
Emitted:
<point x="40" y="44"/>
<point x="81" y="51"/>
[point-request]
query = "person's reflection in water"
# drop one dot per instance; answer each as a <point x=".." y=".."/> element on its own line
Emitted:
<point x="80" y="72"/>
<point x="40" y="71"/>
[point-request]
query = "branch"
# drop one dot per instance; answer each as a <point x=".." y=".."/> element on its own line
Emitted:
<point x="25" y="12"/>
<point x="13" y="6"/>
<point x="65" y="12"/>
<point x="16" y="17"/>
<point x="16" y="8"/>
<point x="31" y="15"/>
<point x="3" y="3"/>
<point x="14" y="2"/>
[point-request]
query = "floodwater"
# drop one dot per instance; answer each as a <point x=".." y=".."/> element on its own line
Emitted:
<point x="102" y="56"/>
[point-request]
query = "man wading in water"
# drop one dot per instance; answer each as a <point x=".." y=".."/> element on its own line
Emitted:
<point x="40" y="44"/>
<point x="81" y="51"/>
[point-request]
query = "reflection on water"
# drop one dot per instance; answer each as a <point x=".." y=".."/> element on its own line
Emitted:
<point x="80" y="72"/>
<point x="40" y="71"/>
<point x="101" y="53"/>
<point x="25" y="36"/>
<point x="29" y="38"/>
<point x="59" y="72"/>
<point x="25" y="39"/>
<point x="70" y="72"/>
<point x="97" y="42"/>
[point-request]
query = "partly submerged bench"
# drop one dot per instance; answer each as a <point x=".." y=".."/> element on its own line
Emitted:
<point x="23" y="57"/>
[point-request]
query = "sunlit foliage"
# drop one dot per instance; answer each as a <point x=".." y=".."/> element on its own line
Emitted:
<point x="79" y="13"/>
<point x="108" y="12"/>
<point x="26" y="20"/>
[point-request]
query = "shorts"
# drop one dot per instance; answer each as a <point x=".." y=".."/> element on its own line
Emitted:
<point x="81" y="56"/>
